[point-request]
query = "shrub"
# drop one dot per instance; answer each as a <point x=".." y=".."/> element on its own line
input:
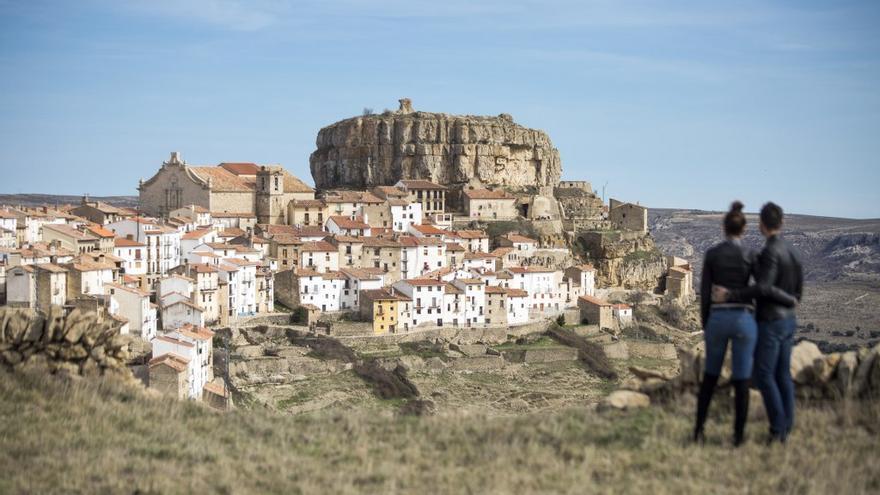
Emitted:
<point x="672" y="311"/>
<point x="367" y="112"/>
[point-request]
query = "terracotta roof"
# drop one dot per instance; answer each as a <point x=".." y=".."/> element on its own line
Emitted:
<point x="454" y="246"/>
<point x="512" y="237"/>
<point x="494" y="289"/>
<point x="595" y="300"/>
<point x="429" y="230"/>
<point x="241" y="168"/>
<point x="193" y="332"/>
<point x="451" y="289"/>
<point x="222" y="180"/>
<point x="172" y="340"/>
<point x="517" y="293"/>
<point x="286" y="239"/>
<point x="621" y="306"/>
<point x="378" y="242"/>
<point x="100" y="231"/>
<point x="127" y="289"/>
<point x="317" y="246"/>
<point x="203" y="268"/>
<point x="487" y="194"/>
<point x="471" y="234"/>
<point x="362" y="273"/>
<point x="500" y="252"/>
<point x="70" y="232"/>
<point x="585" y="267"/>
<point x="347" y="223"/>
<point x="196" y="234"/>
<point x="420" y="241"/>
<point x="216" y="389"/>
<point x="49" y="267"/>
<point x="307" y="203"/>
<point x="337" y="238"/>
<point x="173" y="361"/>
<point x="124" y="242"/>
<point x="383" y="294"/>
<point x="421" y="184"/>
<point x="344" y="196"/>
<point x="424" y="281"/>
<point x="469" y="281"/>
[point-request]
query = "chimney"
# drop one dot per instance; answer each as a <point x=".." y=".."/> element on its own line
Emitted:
<point x="130" y="237"/>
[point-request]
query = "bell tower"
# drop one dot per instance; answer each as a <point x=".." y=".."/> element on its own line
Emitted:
<point x="270" y="195"/>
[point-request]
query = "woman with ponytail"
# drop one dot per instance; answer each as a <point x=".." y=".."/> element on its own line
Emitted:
<point x="729" y="264"/>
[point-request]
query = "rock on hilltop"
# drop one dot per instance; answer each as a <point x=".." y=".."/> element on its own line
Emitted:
<point x="455" y="150"/>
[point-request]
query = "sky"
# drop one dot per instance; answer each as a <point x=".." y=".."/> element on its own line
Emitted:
<point x="672" y="104"/>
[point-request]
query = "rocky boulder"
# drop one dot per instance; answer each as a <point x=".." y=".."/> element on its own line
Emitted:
<point x="625" y="400"/>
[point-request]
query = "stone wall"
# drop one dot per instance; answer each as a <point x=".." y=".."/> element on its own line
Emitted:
<point x="287" y="288"/>
<point x="77" y="344"/>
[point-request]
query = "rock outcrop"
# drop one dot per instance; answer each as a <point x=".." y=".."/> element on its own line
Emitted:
<point x="454" y="150"/>
<point x="624" y="259"/>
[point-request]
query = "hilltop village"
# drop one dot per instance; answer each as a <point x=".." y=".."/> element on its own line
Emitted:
<point x="214" y="246"/>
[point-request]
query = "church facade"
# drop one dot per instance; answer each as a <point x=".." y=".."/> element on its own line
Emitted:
<point x="263" y="191"/>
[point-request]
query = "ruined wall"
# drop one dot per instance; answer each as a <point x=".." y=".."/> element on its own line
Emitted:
<point x="454" y="150"/>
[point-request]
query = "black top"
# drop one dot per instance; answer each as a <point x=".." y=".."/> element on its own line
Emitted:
<point x="731" y="265"/>
<point x="779" y="270"/>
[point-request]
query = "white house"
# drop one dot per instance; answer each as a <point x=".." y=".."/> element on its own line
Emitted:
<point x="134" y="305"/>
<point x="541" y="284"/>
<point x="475" y="241"/>
<point x="623" y="313"/>
<point x="190" y="240"/>
<point x="320" y="256"/>
<point x="478" y="261"/>
<point x="322" y="290"/>
<point x="427" y="296"/>
<point x="404" y="214"/>
<point x="36" y="286"/>
<point x="163" y="244"/>
<point x="181" y="312"/>
<point x="474" y="300"/>
<point x="420" y="255"/>
<point x="246" y="300"/>
<point x="356" y="280"/>
<point x="351" y="226"/>
<point x="133" y="254"/>
<point x="523" y="247"/>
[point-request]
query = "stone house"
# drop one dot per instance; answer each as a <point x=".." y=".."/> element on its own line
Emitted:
<point x="98" y="212"/>
<point x="87" y="277"/>
<point x="583" y="281"/>
<point x="384" y="254"/>
<point x="244" y="188"/>
<point x="37" y="286"/>
<point x="168" y="375"/>
<point x="349" y="226"/>
<point x="350" y="250"/>
<point x="679" y="279"/>
<point x="70" y="238"/>
<point x="285" y="249"/>
<point x="627" y="216"/>
<point x="431" y="196"/>
<point x="595" y="311"/>
<point x="523" y="247"/>
<point x="307" y="212"/>
<point x="486" y="204"/>
<point x="105" y="237"/>
<point x="475" y="241"/>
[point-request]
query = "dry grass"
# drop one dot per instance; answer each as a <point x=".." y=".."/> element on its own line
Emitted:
<point x="83" y="437"/>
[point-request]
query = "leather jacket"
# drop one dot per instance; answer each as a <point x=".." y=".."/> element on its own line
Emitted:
<point x="731" y="265"/>
<point x="779" y="269"/>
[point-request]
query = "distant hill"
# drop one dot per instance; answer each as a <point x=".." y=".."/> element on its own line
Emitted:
<point x="61" y="199"/>
<point x="841" y="264"/>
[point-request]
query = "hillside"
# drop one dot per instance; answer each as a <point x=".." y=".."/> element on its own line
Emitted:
<point x="841" y="263"/>
<point x="61" y="199"/>
<point x="102" y="437"/>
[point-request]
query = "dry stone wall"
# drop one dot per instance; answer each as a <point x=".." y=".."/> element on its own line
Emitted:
<point x="76" y="345"/>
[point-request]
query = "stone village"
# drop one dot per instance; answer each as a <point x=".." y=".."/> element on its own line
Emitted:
<point x="418" y="221"/>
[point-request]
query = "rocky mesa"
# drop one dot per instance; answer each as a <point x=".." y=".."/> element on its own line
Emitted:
<point x="454" y="150"/>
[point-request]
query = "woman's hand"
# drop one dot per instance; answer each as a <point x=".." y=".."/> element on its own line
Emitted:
<point x="719" y="294"/>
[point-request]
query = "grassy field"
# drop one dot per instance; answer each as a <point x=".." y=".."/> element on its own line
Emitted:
<point x="61" y="437"/>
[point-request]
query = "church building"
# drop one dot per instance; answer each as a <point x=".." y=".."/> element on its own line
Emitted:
<point x="263" y="191"/>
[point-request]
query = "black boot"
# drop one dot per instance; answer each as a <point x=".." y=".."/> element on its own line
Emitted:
<point x="707" y="388"/>
<point x="741" y="400"/>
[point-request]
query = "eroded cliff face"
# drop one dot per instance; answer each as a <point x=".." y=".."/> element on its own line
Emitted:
<point x="629" y="260"/>
<point x="454" y="150"/>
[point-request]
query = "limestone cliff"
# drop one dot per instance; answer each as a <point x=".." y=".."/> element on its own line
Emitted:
<point x="624" y="259"/>
<point x="454" y="150"/>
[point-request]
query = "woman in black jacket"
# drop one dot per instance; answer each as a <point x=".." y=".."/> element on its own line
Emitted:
<point x="729" y="264"/>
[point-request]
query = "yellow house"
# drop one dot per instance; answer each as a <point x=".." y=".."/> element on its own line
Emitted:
<point x="382" y="306"/>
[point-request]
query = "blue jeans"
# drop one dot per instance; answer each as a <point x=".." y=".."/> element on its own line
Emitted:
<point x="773" y="373"/>
<point x="738" y="327"/>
